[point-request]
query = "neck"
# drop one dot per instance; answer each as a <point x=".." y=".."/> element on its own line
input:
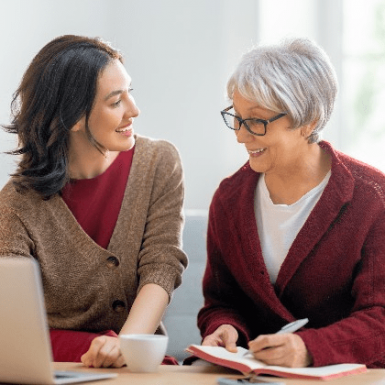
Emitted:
<point x="89" y="164"/>
<point x="289" y="185"/>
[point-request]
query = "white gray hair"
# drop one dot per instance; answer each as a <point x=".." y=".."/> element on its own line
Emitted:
<point x="295" y="76"/>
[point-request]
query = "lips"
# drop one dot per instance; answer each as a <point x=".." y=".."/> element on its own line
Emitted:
<point x="125" y="128"/>
<point x="126" y="132"/>
<point x="256" y="152"/>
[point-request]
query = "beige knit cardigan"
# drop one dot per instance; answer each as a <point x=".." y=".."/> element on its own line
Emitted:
<point x="87" y="287"/>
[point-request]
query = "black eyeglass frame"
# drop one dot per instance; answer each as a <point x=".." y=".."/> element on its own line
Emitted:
<point x="244" y="121"/>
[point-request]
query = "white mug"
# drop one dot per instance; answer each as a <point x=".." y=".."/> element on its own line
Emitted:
<point x="143" y="352"/>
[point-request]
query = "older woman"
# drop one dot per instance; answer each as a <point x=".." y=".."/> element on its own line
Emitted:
<point x="299" y="230"/>
<point x="98" y="206"/>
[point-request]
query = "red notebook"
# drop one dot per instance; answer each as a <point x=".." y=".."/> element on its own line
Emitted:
<point x="246" y="363"/>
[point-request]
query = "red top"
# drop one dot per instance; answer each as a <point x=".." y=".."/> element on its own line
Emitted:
<point x="333" y="274"/>
<point x="96" y="202"/>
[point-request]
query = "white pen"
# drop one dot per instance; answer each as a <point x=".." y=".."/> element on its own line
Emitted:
<point x="290" y="328"/>
<point x="293" y="326"/>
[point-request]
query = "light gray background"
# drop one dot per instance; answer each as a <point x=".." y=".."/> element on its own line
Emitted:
<point x="179" y="54"/>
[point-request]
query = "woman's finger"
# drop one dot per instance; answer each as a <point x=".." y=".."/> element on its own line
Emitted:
<point x="119" y="362"/>
<point x="225" y="335"/>
<point x="281" y="349"/>
<point x="229" y="340"/>
<point x="89" y="358"/>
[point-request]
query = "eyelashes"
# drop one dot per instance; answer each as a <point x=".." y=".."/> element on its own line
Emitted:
<point x="118" y="102"/>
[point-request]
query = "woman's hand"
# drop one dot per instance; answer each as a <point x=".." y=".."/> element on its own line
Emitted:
<point x="281" y="349"/>
<point x="144" y="317"/>
<point x="104" y="352"/>
<point x="225" y="335"/>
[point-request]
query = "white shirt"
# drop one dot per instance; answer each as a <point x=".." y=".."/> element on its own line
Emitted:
<point x="279" y="224"/>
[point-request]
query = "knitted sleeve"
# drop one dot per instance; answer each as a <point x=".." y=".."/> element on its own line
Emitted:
<point x="161" y="260"/>
<point x="224" y="300"/>
<point x="15" y="239"/>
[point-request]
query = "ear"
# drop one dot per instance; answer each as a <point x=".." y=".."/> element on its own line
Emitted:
<point x="79" y="125"/>
<point x="307" y="130"/>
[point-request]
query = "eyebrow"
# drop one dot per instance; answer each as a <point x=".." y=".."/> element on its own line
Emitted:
<point x="251" y="110"/>
<point x="116" y="92"/>
<point x="113" y="93"/>
<point x="255" y="108"/>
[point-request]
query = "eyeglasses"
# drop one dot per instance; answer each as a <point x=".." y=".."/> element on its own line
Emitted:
<point x="254" y="126"/>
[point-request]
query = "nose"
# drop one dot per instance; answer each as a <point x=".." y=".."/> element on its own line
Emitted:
<point x="132" y="111"/>
<point x="244" y="136"/>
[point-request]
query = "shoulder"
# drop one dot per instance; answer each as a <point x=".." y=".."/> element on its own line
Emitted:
<point x="11" y="198"/>
<point x="366" y="179"/>
<point x="237" y="187"/>
<point x="160" y="146"/>
<point x="25" y="200"/>
<point x="360" y="171"/>
<point x="363" y="172"/>
<point x="156" y="147"/>
<point x="156" y="153"/>
<point x="236" y="181"/>
<point x="26" y="204"/>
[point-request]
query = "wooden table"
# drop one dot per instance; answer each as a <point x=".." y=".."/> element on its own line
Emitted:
<point x="195" y="375"/>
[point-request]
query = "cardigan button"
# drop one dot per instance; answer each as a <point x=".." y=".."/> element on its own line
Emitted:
<point x="112" y="262"/>
<point x="118" y="306"/>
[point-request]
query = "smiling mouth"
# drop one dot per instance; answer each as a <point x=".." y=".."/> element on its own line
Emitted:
<point x="128" y="128"/>
<point x="258" y="151"/>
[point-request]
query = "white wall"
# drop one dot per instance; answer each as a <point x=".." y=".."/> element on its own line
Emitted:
<point x="179" y="54"/>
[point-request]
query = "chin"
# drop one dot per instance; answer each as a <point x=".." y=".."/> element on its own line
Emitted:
<point x="131" y="143"/>
<point x="125" y="146"/>
<point x="257" y="167"/>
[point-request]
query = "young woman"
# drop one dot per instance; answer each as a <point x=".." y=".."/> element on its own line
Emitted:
<point x="98" y="206"/>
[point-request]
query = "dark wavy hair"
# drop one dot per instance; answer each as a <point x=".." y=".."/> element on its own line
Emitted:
<point x="56" y="91"/>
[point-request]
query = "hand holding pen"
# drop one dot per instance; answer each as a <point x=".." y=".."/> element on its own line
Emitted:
<point x="282" y="348"/>
<point x="289" y="328"/>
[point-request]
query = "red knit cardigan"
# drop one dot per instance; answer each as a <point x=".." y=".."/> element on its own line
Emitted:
<point x="334" y="273"/>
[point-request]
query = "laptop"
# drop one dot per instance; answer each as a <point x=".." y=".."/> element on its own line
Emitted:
<point x="25" y="347"/>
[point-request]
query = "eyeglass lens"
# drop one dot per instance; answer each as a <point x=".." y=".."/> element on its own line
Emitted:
<point x="234" y="123"/>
